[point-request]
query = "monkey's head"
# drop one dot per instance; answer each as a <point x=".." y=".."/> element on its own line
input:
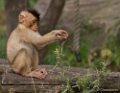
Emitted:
<point x="30" y="19"/>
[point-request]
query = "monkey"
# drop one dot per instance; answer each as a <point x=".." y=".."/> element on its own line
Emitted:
<point x="25" y="41"/>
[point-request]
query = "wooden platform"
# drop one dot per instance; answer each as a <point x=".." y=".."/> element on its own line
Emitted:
<point x="54" y="82"/>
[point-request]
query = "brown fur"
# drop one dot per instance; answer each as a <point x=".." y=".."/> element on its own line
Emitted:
<point x="22" y="49"/>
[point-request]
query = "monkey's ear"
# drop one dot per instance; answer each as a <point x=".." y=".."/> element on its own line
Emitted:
<point x="21" y="18"/>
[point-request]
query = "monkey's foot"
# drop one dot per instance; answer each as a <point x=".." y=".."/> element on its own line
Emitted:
<point x="39" y="73"/>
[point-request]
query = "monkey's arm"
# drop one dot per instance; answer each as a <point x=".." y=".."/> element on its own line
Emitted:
<point x="41" y="41"/>
<point x="46" y="39"/>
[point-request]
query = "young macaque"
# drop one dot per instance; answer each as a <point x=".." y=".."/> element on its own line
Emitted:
<point x="24" y="43"/>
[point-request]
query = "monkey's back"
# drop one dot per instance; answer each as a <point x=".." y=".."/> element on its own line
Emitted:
<point x="15" y="44"/>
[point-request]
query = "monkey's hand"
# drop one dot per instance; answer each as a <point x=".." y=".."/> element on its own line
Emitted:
<point x="61" y="34"/>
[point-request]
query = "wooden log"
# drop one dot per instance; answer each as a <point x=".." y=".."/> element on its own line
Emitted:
<point x="54" y="81"/>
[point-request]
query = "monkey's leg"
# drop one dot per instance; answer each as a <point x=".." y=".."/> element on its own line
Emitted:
<point x="22" y="65"/>
<point x="35" y="61"/>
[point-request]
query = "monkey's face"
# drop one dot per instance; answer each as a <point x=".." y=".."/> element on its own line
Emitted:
<point x="28" y="20"/>
<point x="34" y="23"/>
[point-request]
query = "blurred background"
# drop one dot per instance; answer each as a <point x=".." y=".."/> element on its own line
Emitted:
<point x="93" y="27"/>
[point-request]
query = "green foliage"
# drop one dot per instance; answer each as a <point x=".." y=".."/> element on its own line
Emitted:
<point x="83" y="84"/>
<point x="3" y="40"/>
<point x="32" y="3"/>
<point x="89" y="26"/>
<point x="69" y="57"/>
<point x="84" y="49"/>
<point x="110" y="42"/>
<point x="2" y="3"/>
<point x="50" y="57"/>
<point x="98" y="63"/>
<point x="53" y="48"/>
<point x="86" y="85"/>
<point x="116" y="58"/>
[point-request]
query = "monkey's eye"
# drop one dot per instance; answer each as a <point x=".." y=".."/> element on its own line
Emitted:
<point x="35" y="21"/>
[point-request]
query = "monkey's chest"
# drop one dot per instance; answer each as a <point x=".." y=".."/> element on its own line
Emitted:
<point x="31" y="49"/>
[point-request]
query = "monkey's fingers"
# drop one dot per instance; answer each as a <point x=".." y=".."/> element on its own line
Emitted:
<point x="64" y="35"/>
<point x="60" y="33"/>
